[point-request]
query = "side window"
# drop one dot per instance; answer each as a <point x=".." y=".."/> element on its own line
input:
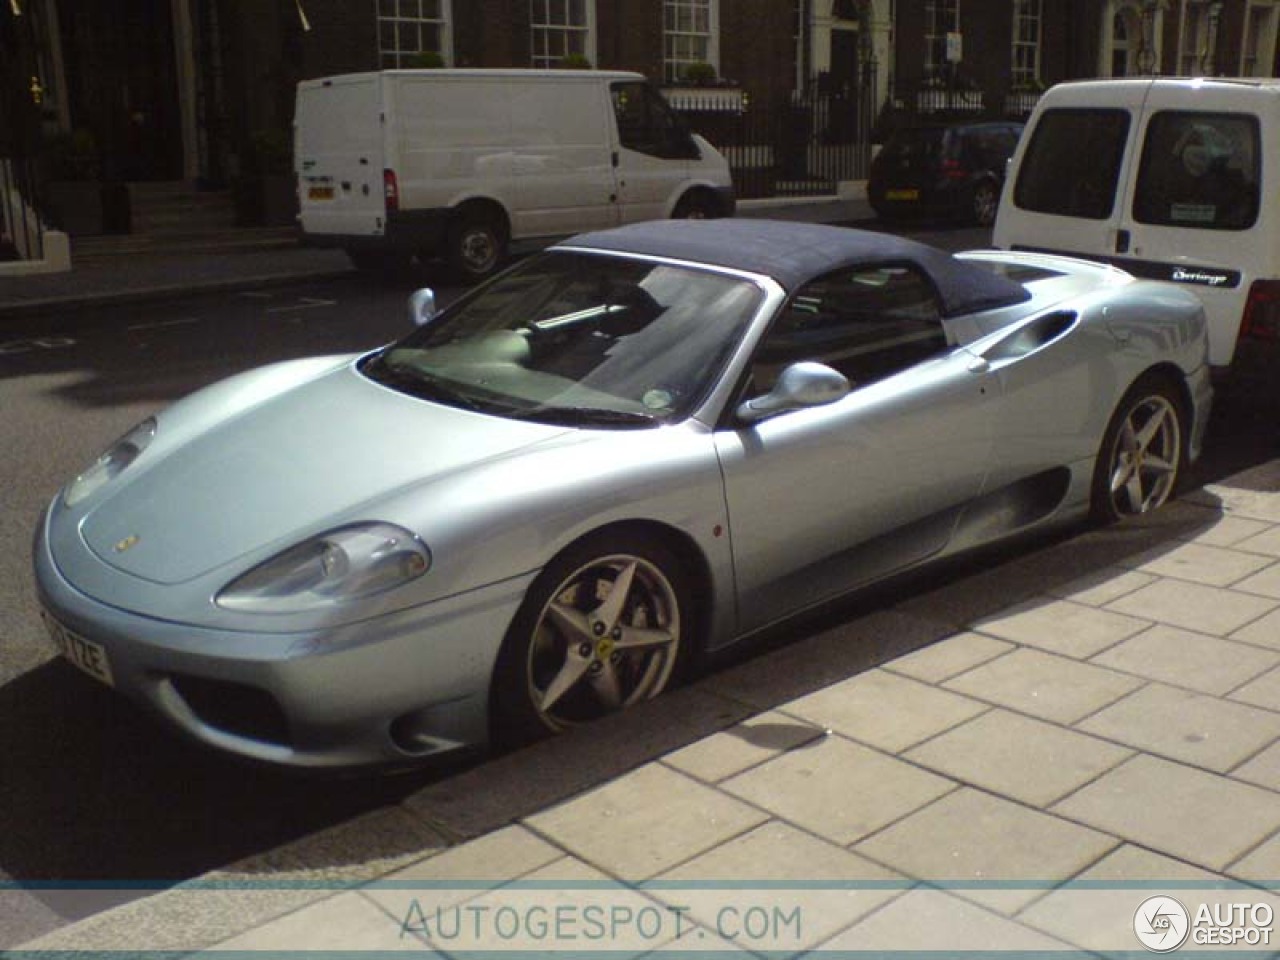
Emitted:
<point x="1072" y="164"/>
<point x="867" y="322"/>
<point x="648" y="124"/>
<point x="1199" y="170"/>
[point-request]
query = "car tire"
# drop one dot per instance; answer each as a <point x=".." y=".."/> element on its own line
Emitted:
<point x="575" y="652"/>
<point x="986" y="201"/>
<point x="1143" y="452"/>
<point x="476" y="245"/>
<point x="696" y="205"/>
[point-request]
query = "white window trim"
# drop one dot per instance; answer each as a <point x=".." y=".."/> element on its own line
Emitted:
<point x="589" y="43"/>
<point x="1266" y="48"/>
<point x="1038" y="45"/>
<point x="713" y="37"/>
<point x="446" y="33"/>
<point x="932" y="69"/>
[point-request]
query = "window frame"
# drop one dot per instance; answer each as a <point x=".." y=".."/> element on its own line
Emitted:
<point x="936" y="12"/>
<point x="673" y="66"/>
<point x="541" y="25"/>
<point x="1024" y="57"/>
<point x="394" y="59"/>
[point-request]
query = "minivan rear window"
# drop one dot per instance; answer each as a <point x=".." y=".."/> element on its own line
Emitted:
<point x="1199" y="170"/>
<point x="1072" y="163"/>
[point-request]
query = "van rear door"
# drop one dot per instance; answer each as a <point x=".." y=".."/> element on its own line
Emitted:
<point x="1069" y="172"/>
<point x="339" y="157"/>
<point x="1193" y="209"/>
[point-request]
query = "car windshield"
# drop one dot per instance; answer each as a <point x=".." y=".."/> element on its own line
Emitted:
<point x="578" y="338"/>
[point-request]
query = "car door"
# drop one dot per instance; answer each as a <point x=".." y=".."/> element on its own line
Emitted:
<point x="1070" y="175"/>
<point x="653" y="154"/>
<point x="823" y="499"/>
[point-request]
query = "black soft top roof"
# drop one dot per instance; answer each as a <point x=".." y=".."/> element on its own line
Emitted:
<point x="794" y="253"/>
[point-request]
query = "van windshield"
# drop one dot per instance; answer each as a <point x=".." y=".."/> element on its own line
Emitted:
<point x="1199" y="170"/>
<point x="1072" y="164"/>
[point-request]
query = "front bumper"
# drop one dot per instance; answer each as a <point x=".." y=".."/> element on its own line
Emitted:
<point x="388" y="690"/>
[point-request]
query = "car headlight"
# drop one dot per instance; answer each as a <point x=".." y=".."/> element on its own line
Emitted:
<point x="346" y="564"/>
<point x="109" y="466"/>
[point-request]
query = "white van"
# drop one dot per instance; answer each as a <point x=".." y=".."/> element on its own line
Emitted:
<point x="459" y="163"/>
<point x="1170" y="179"/>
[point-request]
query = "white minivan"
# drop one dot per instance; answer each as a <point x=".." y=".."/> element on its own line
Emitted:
<point x="1169" y="179"/>
<point x="460" y="163"/>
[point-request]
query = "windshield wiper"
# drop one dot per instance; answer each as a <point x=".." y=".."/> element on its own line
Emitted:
<point x="601" y="416"/>
<point x="417" y="382"/>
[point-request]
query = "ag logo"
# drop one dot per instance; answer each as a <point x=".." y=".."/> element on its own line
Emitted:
<point x="1161" y="924"/>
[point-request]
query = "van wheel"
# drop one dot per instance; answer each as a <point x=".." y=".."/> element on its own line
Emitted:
<point x="986" y="200"/>
<point x="695" y="206"/>
<point x="477" y="246"/>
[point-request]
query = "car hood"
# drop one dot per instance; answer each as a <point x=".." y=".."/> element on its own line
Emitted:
<point x="313" y="457"/>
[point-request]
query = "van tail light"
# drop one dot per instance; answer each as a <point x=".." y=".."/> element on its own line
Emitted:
<point x="953" y="170"/>
<point x="391" y="191"/>
<point x="1262" y="311"/>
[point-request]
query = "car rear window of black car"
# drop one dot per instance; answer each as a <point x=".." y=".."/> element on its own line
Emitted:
<point x="1072" y="164"/>
<point x="1199" y="170"/>
<point x="923" y="143"/>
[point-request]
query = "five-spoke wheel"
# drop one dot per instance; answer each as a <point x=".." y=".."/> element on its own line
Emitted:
<point x="601" y="629"/>
<point x="1142" y="452"/>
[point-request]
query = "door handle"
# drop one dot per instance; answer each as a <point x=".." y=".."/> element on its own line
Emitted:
<point x="1122" y="241"/>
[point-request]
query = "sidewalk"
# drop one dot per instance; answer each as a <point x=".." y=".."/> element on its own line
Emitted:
<point x="159" y="277"/>
<point x="1012" y="759"/>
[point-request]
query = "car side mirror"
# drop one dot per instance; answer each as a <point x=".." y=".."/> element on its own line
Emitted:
<point x="801" y="385"/>
<point x="422" y="307"/>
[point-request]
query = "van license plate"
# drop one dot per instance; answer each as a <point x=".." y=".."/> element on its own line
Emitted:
<point x="320" y="193"/>
<point x="902" y="195"/>
<point x="88" y="656"/>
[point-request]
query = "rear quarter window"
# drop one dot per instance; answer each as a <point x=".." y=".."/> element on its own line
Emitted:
<point x="1072" y="163"/>
<point x="1199" y="171"/>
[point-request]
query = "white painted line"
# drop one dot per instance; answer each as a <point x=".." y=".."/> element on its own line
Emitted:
<point x="185" y="321"/>
<point x="305" y="303"/>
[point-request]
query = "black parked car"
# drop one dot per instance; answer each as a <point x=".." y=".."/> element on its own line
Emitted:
<point x="952" y="170"/>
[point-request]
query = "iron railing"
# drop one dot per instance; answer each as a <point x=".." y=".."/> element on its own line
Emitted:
<point x="21" y="229"/>
<point x="801" y="143"/>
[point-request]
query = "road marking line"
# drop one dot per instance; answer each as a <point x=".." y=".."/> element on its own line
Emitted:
<point x="306" y="303"/>
<point x="164" y="323"/>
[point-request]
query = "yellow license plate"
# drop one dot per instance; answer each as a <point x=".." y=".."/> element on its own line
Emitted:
<point x="320" y="193"/>
<point x="902" y="195"/>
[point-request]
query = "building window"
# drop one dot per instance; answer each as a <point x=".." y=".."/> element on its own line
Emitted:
<point x="690" y="31"/>
<point x="561" y="29"/>
<point x="407" y="29"/>
<point x="1259" y="41"/>
<point x="1026" y="44"/>
<point x="1195" y="58"/>
<point x="940" y="18"/>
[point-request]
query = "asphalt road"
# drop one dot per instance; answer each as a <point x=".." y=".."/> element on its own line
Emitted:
<point x="91" y="789"/>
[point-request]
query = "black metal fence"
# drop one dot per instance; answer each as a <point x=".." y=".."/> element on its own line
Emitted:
<point x="801" y="143"/>
<point x="21" y="230"/>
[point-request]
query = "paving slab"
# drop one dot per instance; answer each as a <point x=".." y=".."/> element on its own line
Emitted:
<point x="743" y="746"/>
<point x="1100" y="587"/>
<point x="1202" y="818"/>
<point x="970" y="835"/>
<point x="1096" y="911"/>
<point x="931" y="920"/>
<point x="1185" y="658"/>
<point x="1263" y="692"/>
<point x="1183" y="725"/>
<point x="1045" y="685"/>
<point x="884" y="710"/>
<point x="1266" y="541"/>
<point x="833" y="886"/>
<point x="1202" y="563"/>
<point x="1263" y="769"/>
<point x="1265" y="582"/>
<point x="949" y="657"/>
<point x="1061" y="626"/>
<point x="1228" y="531"/>
<point x="1019" y="757"/>
<point x="347" y="921"/>
<point x="1264" y="632"/>
<point x="838" y="790"/>
<point x="645" y="822"/>
<point x="1193" y="606"/>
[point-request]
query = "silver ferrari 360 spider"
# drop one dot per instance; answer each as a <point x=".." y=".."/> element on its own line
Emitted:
<point x="638" y="445"/>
